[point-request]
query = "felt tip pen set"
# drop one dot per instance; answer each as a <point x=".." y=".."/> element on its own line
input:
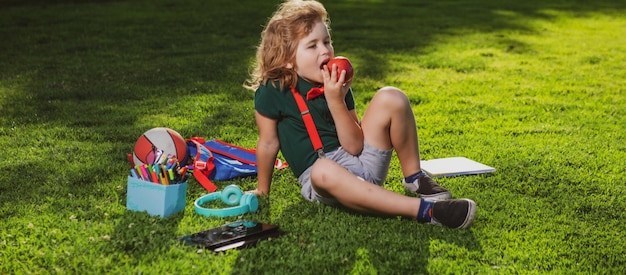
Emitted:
<point x="165" y="170"/>
<point x="156" y="199"/>
<point x="159" y="188"/>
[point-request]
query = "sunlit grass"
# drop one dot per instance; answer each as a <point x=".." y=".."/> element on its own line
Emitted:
<point x="535" y="89"/>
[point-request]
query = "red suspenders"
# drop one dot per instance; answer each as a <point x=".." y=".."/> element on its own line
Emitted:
<point x="308" y="122"/>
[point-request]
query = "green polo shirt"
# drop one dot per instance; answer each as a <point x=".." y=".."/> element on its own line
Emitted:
<point x="295" y="143"/>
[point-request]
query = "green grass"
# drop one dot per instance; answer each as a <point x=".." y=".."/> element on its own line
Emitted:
<point x="533" y="88"/>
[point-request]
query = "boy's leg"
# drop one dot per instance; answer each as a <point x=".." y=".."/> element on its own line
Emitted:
<point x="330" y="179"/>
<point x="388" y="123"/>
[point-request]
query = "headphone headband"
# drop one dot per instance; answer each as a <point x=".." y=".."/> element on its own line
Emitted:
<point x="231" y="195"/>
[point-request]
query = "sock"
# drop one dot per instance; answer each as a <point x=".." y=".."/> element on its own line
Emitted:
<point x="424" y="214"/>
<point x="415" y="176"/>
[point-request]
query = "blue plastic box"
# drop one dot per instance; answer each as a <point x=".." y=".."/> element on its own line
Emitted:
<point x="156" y="199"/>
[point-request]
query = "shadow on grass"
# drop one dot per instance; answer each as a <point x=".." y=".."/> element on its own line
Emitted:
<point x="99" y="65"/>
<point x="138" y="234"/>
<point x="322" y="240"/>
<point x="146" y="53"/>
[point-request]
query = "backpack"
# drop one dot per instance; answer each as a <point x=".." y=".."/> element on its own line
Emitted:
<point x="219" y="160"/>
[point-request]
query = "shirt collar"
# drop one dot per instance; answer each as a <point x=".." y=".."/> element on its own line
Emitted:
<point x="304" y="86"/>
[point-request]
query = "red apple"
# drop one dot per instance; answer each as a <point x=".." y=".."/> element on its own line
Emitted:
<point x="343" y="64"/>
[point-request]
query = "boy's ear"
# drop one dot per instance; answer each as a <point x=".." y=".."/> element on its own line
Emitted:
<point x="289" y="66"/>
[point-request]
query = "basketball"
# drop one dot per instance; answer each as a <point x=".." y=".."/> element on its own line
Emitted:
<point x="163" y="139"/>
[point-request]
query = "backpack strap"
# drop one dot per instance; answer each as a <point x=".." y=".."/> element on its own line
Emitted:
<point x="241" y="154"/>
<point x="203" y="164"/>
<point x="318" y="146"/>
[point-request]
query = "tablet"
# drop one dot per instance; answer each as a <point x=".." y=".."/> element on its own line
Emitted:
<point x="239" y="234"/>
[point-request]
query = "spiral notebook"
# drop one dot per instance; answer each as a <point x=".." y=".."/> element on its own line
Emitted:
<point x="454" y="166"/>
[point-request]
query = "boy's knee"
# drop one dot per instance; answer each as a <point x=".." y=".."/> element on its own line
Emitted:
<point x="392" y="96"/>
<point x="390" y="89"/>
<point x="322" y="171"/>
<point x="320" y="168"/>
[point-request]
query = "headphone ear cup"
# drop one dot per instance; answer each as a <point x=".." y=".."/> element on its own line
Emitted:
<point x="231" y="195"/>
<point x="251" y="201"/>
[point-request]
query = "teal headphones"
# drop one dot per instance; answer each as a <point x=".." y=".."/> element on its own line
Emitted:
<point x="231" y="195"/>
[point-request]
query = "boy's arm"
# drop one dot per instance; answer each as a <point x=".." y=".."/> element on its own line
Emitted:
<point x="266" y="152"/>
<point x="349" y="129"/>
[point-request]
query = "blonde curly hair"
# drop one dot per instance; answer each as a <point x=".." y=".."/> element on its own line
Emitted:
<point x="292" y="21"/>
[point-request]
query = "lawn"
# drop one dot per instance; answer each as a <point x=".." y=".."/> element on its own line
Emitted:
<point x="536" y="89"/>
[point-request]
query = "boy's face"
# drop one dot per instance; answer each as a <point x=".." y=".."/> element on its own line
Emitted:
<point x="314" y="50"/>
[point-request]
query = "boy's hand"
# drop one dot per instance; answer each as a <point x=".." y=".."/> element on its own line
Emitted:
<point x="335" y="86"/>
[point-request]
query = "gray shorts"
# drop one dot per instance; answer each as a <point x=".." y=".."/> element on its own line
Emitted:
<point x="372" y="165"/>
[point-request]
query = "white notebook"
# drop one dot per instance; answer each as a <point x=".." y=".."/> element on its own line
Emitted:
<point x="454" y="166"/>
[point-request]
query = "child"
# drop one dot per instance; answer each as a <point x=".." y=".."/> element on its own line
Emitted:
<point x="294" y="49"/>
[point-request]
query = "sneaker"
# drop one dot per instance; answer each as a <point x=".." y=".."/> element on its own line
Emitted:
<point x="428" y="189"/>
<point x="457" y="213"/>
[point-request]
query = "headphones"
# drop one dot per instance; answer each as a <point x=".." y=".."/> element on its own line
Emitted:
<point x="231" y="195"/>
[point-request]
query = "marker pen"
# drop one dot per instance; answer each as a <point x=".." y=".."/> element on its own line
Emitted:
<point x="157" y="156"/>
<point x="156" y="168"/>
<point x="138" y="170"/>
<point x="164" y="179"/>
<point x="155" y="178"/>
<point x="163" y="158"/>
<point x="171" y="173"/>
<point x="133" y="173"/>
<point x="182" y="171"/>
<point x="131" y="160"/>
<point x="144" y="173"/>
